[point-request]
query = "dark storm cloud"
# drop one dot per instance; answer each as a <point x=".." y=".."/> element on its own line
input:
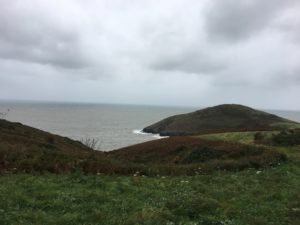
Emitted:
<point x="232" y="20"/>
<point x="28" y="35"/>
<point x="132" y="51"/>
<point x="52" y="52"/>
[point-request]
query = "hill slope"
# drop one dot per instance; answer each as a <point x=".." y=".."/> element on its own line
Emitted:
<point x="186" y="154"/>
<point x="227" y="117"/>
<point x="26" y="149"/>
<point x="13" y="134"/>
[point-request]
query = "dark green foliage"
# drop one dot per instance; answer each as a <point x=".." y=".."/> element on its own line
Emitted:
<point x="200" y="154"/>
<point x="287" y="138"/>
<point x="258" y="137"/>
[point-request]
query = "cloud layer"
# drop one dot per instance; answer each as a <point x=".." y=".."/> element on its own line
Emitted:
<point x="150" y="52"/>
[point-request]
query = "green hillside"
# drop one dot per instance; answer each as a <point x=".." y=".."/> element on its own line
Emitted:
<point x="26" y="149"/>
<point x="221" y="118"/>
<point x="253" y="196"/>
<point x="234" y="178"/>
<point x="185" y="155"/>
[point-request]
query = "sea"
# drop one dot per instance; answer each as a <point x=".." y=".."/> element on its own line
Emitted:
<point x="113" y="126"/>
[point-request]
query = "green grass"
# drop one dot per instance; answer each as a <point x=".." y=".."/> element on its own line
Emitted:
<point x="236" y="137"/>
<point x="249" y="197"/>
<point x="267" y="195"/>
<point x="293" y="153"/>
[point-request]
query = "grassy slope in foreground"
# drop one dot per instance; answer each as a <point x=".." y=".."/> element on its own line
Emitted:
<point x="252" y="196"/>
<point x="248" y="197"/>
<point x="220" y="118"/>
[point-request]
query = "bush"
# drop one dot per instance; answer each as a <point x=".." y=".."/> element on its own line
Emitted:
<point x="287" y="138"/>
<point x="258" y="136"/>
<point x="91" y="143"/>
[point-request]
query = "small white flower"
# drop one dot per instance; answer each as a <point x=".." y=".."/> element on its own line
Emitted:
<point x="184" y="181"/>
<point x="258" y="172"/>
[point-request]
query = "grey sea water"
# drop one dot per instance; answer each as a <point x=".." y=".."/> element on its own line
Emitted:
<point x="115" y="126"/>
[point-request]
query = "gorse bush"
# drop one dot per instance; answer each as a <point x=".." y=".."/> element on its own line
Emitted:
<point x="287" y="137"/>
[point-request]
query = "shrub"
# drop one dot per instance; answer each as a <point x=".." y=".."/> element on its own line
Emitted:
<point x="258" y="136"/>
<point x="91" y="143"/>
<point x="287" y="138"/>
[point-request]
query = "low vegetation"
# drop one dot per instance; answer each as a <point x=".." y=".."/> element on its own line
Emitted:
<point x="185" y="155"/>
<point x="287" y="138"/>
<point x="235" y="178"/>
<point x="248" y="197"/>
<point x="25" y="149"/>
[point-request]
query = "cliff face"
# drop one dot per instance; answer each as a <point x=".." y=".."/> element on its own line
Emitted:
<point x="227" y="117"/>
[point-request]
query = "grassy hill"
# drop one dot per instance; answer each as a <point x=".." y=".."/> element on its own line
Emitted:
<point x="185" y="155"/>
<point x="248" y="178"/>
<point x="221" y="118"/>
<point x="251" y="196"/>
<point x="26" y="149"/>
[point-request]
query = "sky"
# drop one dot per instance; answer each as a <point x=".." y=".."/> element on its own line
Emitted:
<point x="170" y="52"/>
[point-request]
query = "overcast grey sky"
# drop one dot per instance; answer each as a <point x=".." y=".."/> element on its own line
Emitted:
<point x="167" y="52"/>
